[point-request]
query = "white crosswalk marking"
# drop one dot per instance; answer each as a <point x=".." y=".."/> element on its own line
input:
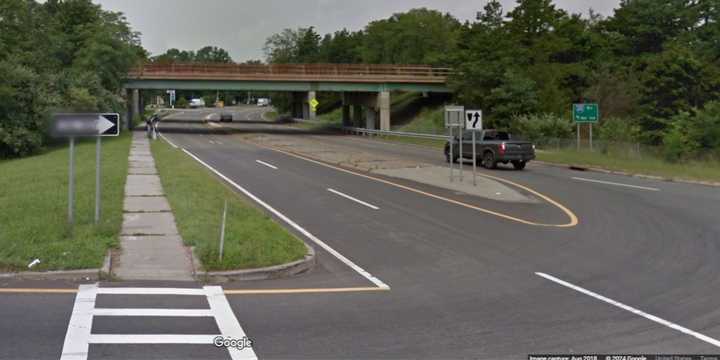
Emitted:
<point x="79" y="337"/>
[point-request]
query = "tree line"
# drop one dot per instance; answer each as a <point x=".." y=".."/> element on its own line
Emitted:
<point x="58" y="56"/>
<point x="653" y="65"/>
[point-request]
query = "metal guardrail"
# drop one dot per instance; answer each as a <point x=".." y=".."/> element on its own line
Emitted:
<point x="395" y="133"/>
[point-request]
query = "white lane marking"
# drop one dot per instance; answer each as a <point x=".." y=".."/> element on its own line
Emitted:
<point x="150" y="291"/>
<point x="214" y="125"/>
<point x="616" y="184"/>
<point x="297" y="227"/>
<point x="227" y="322"/>
<point x="218" y="142"/>
<point x="353" y="199"/>
<point x="153" y="312"/>
<point x="168" y="141"/>
<point x="631" y="309"/>
<point x="76" y="344"/>
<point x="266" y="164"/>
<point x="211" y="141"/>
<point x="151" y="339"/>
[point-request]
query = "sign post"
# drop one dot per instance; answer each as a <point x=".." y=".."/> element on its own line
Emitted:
<point x="453" y="118"/>
<point x="585" y="114"/>
<point x="172" y="98"/>
<point x="473" y="122"/>
<point x="85" y="125"/>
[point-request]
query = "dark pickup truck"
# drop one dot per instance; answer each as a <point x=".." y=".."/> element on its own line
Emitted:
<point x="493" y="147"/>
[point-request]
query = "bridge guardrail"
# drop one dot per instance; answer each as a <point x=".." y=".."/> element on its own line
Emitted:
<point x="395" y="133"/>
<point x="420" y="73"/>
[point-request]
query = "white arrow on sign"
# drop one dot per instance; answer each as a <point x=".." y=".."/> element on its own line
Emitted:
<point x="102" y="125"/>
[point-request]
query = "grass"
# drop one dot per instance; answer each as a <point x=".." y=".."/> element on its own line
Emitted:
<point x="704" y="171"/>
<point x="429" y="121"/>
<point x="252" y="239"/>
<point x="33" y="220"/>
<point x="271" y="115"/>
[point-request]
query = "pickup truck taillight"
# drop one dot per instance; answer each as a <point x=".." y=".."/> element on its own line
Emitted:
<point x="503" y="147"/>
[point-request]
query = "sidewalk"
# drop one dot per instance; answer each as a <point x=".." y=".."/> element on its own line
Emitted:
<point x="150" y="246"/>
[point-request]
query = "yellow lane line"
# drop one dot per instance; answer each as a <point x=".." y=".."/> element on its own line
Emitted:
<point x="36" y="291"/>
<point x="227" y="292"/>
<point x="572" y="217"/>
<point x="302" y="291"/>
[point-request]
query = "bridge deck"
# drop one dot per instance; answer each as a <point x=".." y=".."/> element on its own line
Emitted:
<point x="355" y="73"/>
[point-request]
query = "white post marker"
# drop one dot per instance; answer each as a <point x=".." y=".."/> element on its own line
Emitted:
<point x="473" y="122"/>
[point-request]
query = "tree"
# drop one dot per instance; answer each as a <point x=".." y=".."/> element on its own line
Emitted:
<point x="212" y="54"/>
<point x="419" y="36"/>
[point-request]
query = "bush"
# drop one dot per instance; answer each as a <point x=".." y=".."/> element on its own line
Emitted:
<point x="615" y="129"/>
<point x="182" y="103"/>
<point x="541" y="126"/>
<point x="23" y="108"/>
<point x="690" y="134"/>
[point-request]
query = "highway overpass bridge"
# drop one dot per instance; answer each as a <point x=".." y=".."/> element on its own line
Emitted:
<point x="365" y="88"/>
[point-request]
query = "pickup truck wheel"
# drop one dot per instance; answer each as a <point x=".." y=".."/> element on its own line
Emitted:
<point x="447" y="158"/>
<point x="488" y="161"/>
<point x="519" y="165"/>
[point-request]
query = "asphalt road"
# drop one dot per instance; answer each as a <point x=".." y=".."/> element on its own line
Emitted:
<point x="638" y="274"/>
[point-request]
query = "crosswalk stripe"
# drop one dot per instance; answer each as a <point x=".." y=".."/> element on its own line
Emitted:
<point x="76" y="344"/>
<point x="227" y="322"/>
<point x="154" y="312"/>
<point x="150" y="291"/>
<point x="151" y="339"/>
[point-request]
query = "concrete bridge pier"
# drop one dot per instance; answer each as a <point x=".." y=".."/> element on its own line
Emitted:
<point x="301" y="105"/>
<point x="376" y="106"/>
<point x="133" y="106"/>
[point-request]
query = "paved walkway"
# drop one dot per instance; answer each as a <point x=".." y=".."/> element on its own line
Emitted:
<point x="150" y="246"/>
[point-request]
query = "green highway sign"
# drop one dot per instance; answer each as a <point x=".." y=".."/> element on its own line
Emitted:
<point x="586" y="113"/>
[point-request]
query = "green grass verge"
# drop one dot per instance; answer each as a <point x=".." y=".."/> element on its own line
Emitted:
<point x="271" y="115"/>
<point x="429" y="121"/>
<point x="33" y="217"/>
<point x="704" y="171"/>
<point x="252" y="239"/>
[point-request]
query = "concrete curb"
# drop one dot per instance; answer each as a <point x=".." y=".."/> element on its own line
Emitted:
<point x="623" y="173"/>
<point x="102" y="273"/>
<point x="265" y="273"/>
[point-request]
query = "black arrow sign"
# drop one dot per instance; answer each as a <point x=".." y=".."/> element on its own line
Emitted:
<point x="477" y="118"/>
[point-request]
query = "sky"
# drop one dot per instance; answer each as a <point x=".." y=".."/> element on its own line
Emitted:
<point x="241" y="26"/>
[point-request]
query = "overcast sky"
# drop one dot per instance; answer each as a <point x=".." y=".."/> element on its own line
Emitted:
<point x="241" y="26"/>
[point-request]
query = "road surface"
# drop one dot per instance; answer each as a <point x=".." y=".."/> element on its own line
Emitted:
<point x="434" y="276"/>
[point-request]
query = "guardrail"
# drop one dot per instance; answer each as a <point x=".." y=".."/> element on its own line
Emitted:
<point x="327" y="72"/>
<point x="395" y="133"/>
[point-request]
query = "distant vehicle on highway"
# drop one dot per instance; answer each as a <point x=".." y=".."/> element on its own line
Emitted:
<point x="493" y="147"/>
<point x="263" y="102"/>
<point x="197" y="103"/>
<point x="226" y="116"/>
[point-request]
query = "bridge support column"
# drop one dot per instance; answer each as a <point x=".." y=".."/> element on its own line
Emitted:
<point x="308" y="111"/>
<point x="383" y="104"/>
<point x="357" y="115"/>
<point x="133" y="107"/>
<point x="346" y="120"/>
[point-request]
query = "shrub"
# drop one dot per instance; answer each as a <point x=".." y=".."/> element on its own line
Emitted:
<point x="690" y="134"/>
<point x="182" y="103"/>
<point x="541" y="126"/>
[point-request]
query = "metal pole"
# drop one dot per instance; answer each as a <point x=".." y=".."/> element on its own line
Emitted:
<point x="591" y="144"/>
<point x="452" y="140"/>
<point x="474" y="159"/>
<point x="460" y="159"/>
<point x="71" y="183"/>
<point x="98" y="157"/>
<point x="222" y="231"/>
<point x="578" y="137"/>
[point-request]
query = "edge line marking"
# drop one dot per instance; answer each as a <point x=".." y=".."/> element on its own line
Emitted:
<point x="631" y="309"/>
<point x="616" y="184"/>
